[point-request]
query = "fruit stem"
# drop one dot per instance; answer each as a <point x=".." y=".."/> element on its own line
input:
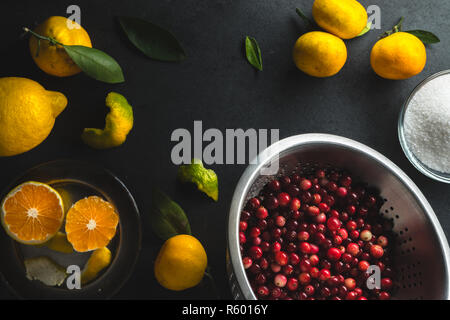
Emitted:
<point x="51" y="40"/>
<point x="396" y="28"/>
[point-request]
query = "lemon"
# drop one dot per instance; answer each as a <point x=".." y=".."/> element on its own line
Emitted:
<point x="343" y="18"/>
<point x="319" y="54"/>
<point x="27" y="114"/>
<point x="51" y="58"/>
<point x="398" y="56"/>
<point x="181" y="263"/>
<point x="119" y="123"/>
<point x="99" y="260"/>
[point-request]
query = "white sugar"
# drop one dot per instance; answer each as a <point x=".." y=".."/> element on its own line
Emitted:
<point x="427" y="124"/>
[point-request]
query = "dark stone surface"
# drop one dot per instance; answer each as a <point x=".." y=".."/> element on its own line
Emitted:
<point x="216" y="85"/>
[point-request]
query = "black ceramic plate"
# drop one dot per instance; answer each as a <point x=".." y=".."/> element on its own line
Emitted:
<point x="76" y="180"/>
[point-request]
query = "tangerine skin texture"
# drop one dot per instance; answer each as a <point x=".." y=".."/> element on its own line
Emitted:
<point x="343" y="18"/>
<point x="53" y="59"/>
<point x="319" y="54"/>
<point x="398" y="56"/>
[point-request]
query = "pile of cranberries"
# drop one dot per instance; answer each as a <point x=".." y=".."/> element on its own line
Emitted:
<point x="314" y="236"/>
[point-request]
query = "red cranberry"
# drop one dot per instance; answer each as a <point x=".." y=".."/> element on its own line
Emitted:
<point x="275" y="267"/>
<point x="354" y="234"/>
<point x="275" y="292"/>
<point x="303" y="236"/>
<point x="337" y="240"/>
<point x="284" y="199"/>
<point x="313" y="211"/>
<point x="242" y="238"/>
<point x="243" y="226"/>
<point x="314" y="259"/>
<point x="288" y="270"/>
<point x="386" y="283"/>
<point x="321" y="218"/>
<point x="346" y="181"/>
<point x="260" y="278"/>
<point x="263" y="263"/>
<point x="342" y="233"/>
<point x="353" y="249"/>
<point x="325" y="292"/>
<point x="295" y="204"/>
<point x="309" y="290"/>
<point x="263" y="291"/>
<point x="274" y="185"/>
<point x="294" y="258"/>
<point x="350" y="283"/>
<point x="334" y="223"/>
<point x="351" y="225"/>
<point x="262" y="213"/>
<point x="341" y="192"/>
<point x="334" y="254"/>
<point x="376" y="251"/>
<point x="363" y="265"/>
<point x="305" y="247"/>
<point x="281" y="258"/>
<point x="280" y="280"/>
<point x="280" y="221"/>
<point x="382" y="241"/>
<point x="314" y="249"/>
<point x="305" y="184"/>
<point x="247" y="262"/>
<point x="323" y="207"/>
<point x="245" y="215"/>
<point x="271" y="203"/>
<point x="254" y="203"/>
<point x="292" y="284"/>
<point x="347" y="257"/>
<point x="304" y="278"/>
<point x="305" y="265"/>
<point x="332" y="186"/>
<point x="276" y="233"/>
<point x="317" y="198"/>
<point x="352" y="295"/>
<point x="324" y="274"/>
<point x="254" y="232"/>
<point x="314" y="272"/>
<point x="384" y="295"/>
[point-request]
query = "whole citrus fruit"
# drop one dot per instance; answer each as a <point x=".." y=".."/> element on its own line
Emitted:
<point x="319" y="54"/>
<point x="52" y="58"/>
<point x="32" y="213"/>
<point x="27" y="114"/>
<point x="398" y="56"/>
<point x="343" y="18"/>
<point x="181" y="263"/>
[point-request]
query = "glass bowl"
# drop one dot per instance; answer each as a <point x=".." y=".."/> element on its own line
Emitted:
<point x="423" y="168"/>
<point x="77" y="180"/>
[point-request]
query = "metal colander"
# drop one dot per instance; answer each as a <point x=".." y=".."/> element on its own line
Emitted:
<point x="421" y="251"/>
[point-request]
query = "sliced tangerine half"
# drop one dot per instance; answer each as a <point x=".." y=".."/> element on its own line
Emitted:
<point x="32" y="213"/>
<point x="91" y="223"/>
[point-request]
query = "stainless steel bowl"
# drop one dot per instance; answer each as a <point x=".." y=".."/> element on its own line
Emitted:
<point x="422" y="250"/>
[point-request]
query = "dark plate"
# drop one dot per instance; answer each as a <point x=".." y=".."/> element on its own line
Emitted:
<point x="79" y="180"/>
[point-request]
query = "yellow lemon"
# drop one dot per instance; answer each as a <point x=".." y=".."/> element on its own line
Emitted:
<point x="181" y="263"/>
<point x="119" y="123"/>
<point x="27" y="114"/>
<point x="343" y="18"/>
<point x="51" y="58"/>
<point x="99" y="260"/>
<point x="398" y="56"/>
<point x="319" y="54"/>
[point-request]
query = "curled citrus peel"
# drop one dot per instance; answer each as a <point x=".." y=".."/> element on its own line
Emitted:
<point x="119" y="123"/>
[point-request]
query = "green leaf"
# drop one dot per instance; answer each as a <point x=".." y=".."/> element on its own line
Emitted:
<point x="304" y="17"/>
<point x="167" y="217"/>
<point x="366" y="29"/>
<point x="425" y="36"/>
<point x="154" y="41"/>
<point x="253" y="53"/>
<point x="96" y="64"/>
<point x="205" y="179"/>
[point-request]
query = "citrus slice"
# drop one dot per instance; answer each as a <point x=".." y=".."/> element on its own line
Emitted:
<point x="32" y="213"/>
<point x="91" y="223"/>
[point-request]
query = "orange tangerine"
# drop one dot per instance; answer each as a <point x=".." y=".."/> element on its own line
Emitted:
<point x="91" y="223"/>
<point x="32" y="213"/>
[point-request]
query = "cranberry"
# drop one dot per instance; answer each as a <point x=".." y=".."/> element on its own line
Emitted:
<point x="276" y="246"/>
<point x="280" y="221"/>
<point x="262" y="213"/>
<point x="353" y="249"/>
<point x="292" y="284"/>
<point x="351" y="225"/>
<point x="346" y="181"/>
<point x="304" y="278"/>
<point x="334" y="254"/>
<point x="274" y="185"/>
<point x="365" y="235"/>
<point x="243" y="226"/>
<point x="280" y="280"/>
<point x="376" y="251"/>
<point x="350" y="283"/>
<point x="386" y="283"/>
<point x="254" y="232"/>
<point x="303" y="236"/>
<point x="334" y="223"/>
<point x="337" y="240"/>
<point x="275" y="267"/>
<point x="247" y="262"/>
<point x="332" y="186"/>
<point x="321" y="218"/>
<point x="313" y="211"/>
<point x="245" y="215"/>
<point x="305" y="184"/>
<point x="342" y="233"/>
<point x="323" y="207"/>
<point x="288" y="270"/>
<point x="271" y="203"/>
<point x="314" y="259"/>
<point x="309" y="290"/>
<point x="275" y="292"/>
<point x="352" y="295"/>
<point x="242" y="238"/>
<point x="305" y="265"/>
<point x="314" y="249"/>
<point x="354" y="234"/>
<point x="363" y="265"/>
<point x="347" y="257"/>
<point x="294" y="258"/>
<point x="263" y="291"/>
<point x="314" y="272"/>
<point x="324" y="274"/>
<point x="295" y="204"/>
<point x="263" y="263"/>
<point x="382" y="241"/>
<point x="284" y="199"/>
<point x="260" y="278"/>
<point x="281" y="258"/>
<point x="276" y="233"/>
<point x="305" y="247"/>
<point x="317" y="198"/>
<point x="341" y="192"/>
<point x="384" y="295"/>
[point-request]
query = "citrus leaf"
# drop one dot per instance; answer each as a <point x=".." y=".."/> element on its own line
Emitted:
<point x="425" y="36"/>
<point x="366" y="29"/>
<point x="96" y="63"/>
<point x="253" y="53"/>
<point x="154" y="41"/>
<point x="205" y="179"/>
<point x="167" y="217"/>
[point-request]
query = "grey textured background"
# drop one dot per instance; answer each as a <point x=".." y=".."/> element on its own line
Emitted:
<point x="216" y="85"/>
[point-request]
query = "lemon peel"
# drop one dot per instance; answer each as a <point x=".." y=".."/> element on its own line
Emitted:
<point x="59" y="243"/>
<point x="205" y="179"/>
<point x="119" y="122"/>
<point x="99" y="260"/>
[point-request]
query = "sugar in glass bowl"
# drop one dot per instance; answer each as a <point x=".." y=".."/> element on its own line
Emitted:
<point x="427" y="109"/>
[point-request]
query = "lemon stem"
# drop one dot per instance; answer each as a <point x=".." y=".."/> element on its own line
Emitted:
<point x="397" y="28"/>
<point x="51" y="40"/>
